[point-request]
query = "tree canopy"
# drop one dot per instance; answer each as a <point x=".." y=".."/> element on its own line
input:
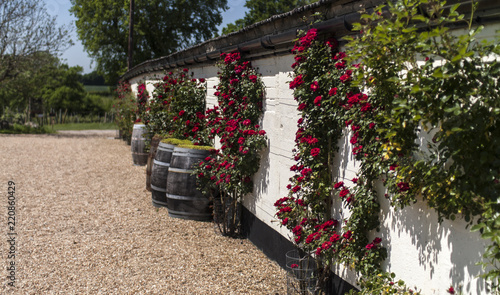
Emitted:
<point x="92" y="78"/>
<point x="161" y="27"/>
<point x="261" y="10"/>
<point x="26" y="29"/>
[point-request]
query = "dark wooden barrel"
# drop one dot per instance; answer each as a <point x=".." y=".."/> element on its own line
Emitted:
<point x="137" y="144"/>
<point x="183" y="198"/>
<point x="159" y="173"/>
<point x="155" y="141"/>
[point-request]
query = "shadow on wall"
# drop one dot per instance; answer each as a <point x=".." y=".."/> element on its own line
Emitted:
<point x="420" y="250"/>
<point x="446" y="253"/>
<point x="261" y="181"/>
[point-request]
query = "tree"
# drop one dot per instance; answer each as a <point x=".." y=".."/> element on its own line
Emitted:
<point x="62" y="88"/>
<point x="45" y="84"/>
<point x="25" y="30"/>
<point x="22" y="92"/>
<point x="161" y="27"/>
<point x="92" y="78"/>
<point x="261" y="10"/>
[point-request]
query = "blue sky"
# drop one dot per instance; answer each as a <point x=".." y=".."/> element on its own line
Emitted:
<point x="75" y="55"/>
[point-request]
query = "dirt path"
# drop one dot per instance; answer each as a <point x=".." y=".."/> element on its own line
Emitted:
<point x="85" y="225"/>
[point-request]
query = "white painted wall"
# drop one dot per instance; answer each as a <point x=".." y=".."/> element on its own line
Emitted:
<point x="421" y="251"/>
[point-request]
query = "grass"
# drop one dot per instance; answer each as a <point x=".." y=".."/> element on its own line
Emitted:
<point x="85" y="126"/>
<point x="21" y="129"/>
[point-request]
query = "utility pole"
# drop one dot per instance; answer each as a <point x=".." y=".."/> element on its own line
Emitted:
<point x="130" y="36"/>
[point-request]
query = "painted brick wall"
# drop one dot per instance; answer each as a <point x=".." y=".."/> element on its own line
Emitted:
<point x="422" y="252"/>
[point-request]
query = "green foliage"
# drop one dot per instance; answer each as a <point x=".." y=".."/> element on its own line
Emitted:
<point x="50" y="85"/>
<point x="421" y="81"/>
<point x="61" y="89"/>
<point x="384" y="284"/>
<point x="25" y="129"/>
<point x="430" y="82"/>
<point x="261" y="9"/>
<point x="93" y="79"/>
<point x="160" y="28"/>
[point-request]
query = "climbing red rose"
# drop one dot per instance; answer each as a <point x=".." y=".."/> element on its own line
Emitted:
<point x="315" y="152"/>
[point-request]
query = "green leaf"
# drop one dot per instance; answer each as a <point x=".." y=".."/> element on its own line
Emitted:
<point x="477" y="227"/>
<point x="420" y="18"/>
<point x="438" y="73"/>
<point x="454" y="7"/>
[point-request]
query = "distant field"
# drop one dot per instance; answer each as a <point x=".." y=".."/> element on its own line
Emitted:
<point x="85" y="126"/>
<point x="97" y="88"/>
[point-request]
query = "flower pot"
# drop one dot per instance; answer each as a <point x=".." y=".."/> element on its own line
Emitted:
<point x="301" y="273"/>
<point x="159" y="173"/>
<point x="137" y="145"/>
<point x="183" y="198"/>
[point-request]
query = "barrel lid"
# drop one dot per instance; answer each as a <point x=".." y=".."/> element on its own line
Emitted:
<point x="189" y="151"/>
<point x="196" y="147"/>
<point x="167" y="146"/>
<point x="175" y="141"/>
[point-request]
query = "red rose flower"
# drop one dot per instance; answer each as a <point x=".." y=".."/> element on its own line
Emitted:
<point x="284" y="221"/>
<point x="369" y="246"/>
<point x="344" y="192"/>
<point x="317" y="101"/>
<point x="403" y="186"/>
<point x="315" y="152"/>
<point x="314" y="86"/>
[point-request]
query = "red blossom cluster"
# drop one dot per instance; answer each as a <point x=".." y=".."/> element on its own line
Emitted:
<point x="234" y="121"/>
<point x="142" y="101"/>
<point x="177" y="107"/>
<point x="306" y="211"/>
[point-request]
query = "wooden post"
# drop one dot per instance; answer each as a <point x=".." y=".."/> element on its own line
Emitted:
<point x="130" y="36"/>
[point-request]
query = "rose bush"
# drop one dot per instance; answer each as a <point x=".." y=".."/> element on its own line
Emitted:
<point x="227" y="173"/>
<point x="177" y="108"/>
<point x="125" y="109"/>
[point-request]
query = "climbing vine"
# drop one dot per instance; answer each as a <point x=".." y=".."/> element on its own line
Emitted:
<point x="227" y="174"/>
<point x="323" y="90"/>
<point x="426" y="126"/>
<point x="142" y="102"/>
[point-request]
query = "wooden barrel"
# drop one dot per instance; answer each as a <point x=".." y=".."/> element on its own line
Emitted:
<point x="159" y="173"/>
<point x="183" y="198"/>
<point x="155" y="141"/>
<point x="137" y="144"/>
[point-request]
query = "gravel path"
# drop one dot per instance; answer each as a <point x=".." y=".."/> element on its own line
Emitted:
<point x="85" y="225"/>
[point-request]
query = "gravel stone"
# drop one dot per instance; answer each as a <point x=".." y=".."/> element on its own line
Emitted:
<point x="85" y="225"/>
